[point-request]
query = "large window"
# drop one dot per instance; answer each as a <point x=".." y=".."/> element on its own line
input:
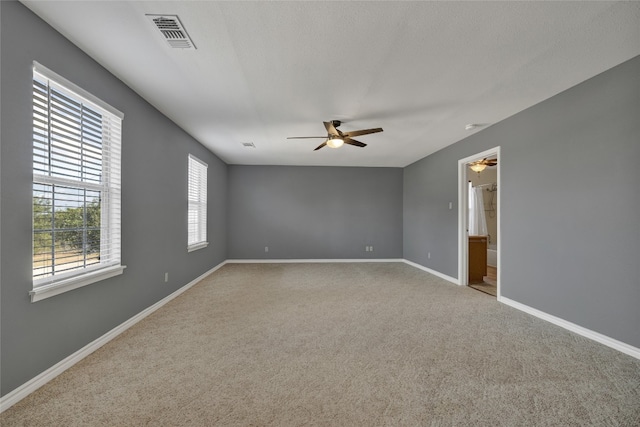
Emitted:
<point x="197" y="213"/>
<point x="76" y="186"/>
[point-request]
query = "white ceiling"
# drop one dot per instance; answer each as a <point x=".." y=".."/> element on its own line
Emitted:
<point x="264" y="71"/>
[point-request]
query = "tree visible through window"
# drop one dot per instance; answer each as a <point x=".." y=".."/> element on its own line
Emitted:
<point x="66" y="229"/>
<point x="76" y="182"/>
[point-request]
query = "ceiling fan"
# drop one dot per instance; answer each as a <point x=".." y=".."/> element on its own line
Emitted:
<point x="336" y="138"/>
<point x="480" y="165"/>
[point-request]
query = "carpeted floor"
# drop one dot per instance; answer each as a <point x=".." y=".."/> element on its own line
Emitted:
<point x="339" y="345"/>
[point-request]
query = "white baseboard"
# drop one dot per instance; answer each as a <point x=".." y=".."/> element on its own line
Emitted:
<point x="35" y="383"/>
<point x="289" y="261"/>
<point x="434" y="272"/>
<point x="587" y="333"/>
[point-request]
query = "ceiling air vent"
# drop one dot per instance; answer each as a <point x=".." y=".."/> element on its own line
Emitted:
<point x="249" y="145"/>
<point x="172" y="31"/>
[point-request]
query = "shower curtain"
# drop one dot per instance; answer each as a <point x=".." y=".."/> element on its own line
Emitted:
<point x="477" y="220"/>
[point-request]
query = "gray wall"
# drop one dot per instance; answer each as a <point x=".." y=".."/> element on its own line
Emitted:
<point x="314" y="212"/>
<point x="570" y="204"/>
<point x="35" y="336"/>
<point x="429" y="224"/>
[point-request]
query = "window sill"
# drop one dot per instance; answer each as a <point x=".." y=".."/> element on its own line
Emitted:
<point x="197" y="246"/>
<point x="65" y="285"/>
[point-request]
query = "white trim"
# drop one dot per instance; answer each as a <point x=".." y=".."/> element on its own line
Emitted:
<point x="60" y="286"/>
<point x="68" y="86"/>
<point x="192" y="157"/>
<point x="35" y="383"/>
<point x="197" y="176"/>
<point x="434" y="272"/>
<point x="463" y="191"/>
<point x="197" y="246"/>
<point x="587" y="333"/>
<point x="54" y="180"/>
<point x="358" y="260"/>
<point x="292" y="261"/>
<point x="463" y="271"/>
<point x="38" y="381"/>
<point x="54" y="282"/>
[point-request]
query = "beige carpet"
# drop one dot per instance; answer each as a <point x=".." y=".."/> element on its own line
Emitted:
<point x="339" y="345"/>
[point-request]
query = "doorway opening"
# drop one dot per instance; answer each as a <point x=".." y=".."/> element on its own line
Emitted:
<point x="479" y="233"/>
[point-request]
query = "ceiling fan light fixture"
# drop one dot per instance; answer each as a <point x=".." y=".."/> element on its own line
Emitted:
<point x="478" y="167"/>
<point x="336" y="138"/>
<point x="335" y="142"/>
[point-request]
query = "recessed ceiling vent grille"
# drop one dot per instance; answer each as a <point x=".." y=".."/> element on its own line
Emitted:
<point x="172" y="31"/>
<point x="249" y="145"/>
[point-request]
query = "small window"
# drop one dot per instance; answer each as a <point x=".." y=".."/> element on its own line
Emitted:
<point x="197" y="211"/>
<point x="76" y="186"/>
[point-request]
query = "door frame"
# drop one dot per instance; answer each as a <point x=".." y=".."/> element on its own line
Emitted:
<point x="463" y="216"/>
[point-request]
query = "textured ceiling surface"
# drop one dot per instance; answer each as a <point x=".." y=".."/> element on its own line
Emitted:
<point x="264" y="71"/>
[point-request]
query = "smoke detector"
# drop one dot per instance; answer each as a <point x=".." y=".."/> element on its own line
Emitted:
<point x="474" y="126"/>
<point x="172" y="30"/>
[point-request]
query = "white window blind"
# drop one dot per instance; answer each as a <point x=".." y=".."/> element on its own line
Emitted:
<point x="76" y="186"/>
<point x="197" y="211"/>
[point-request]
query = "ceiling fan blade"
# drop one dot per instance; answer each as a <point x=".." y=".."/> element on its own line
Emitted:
<point x="362" y="132"/>
<point x="354" y="142"/>
<point x="320" y="146"/>
<point x="331" y="128"/>
<point x="305" y="137"/>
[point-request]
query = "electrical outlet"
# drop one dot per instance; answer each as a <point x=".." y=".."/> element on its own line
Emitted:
<point x="166" y="277"/>
<point x="428" y="255"/>
<point x="266" y="248"/>
<point x="450" y="205"/>
<point x="370" y="248"/>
